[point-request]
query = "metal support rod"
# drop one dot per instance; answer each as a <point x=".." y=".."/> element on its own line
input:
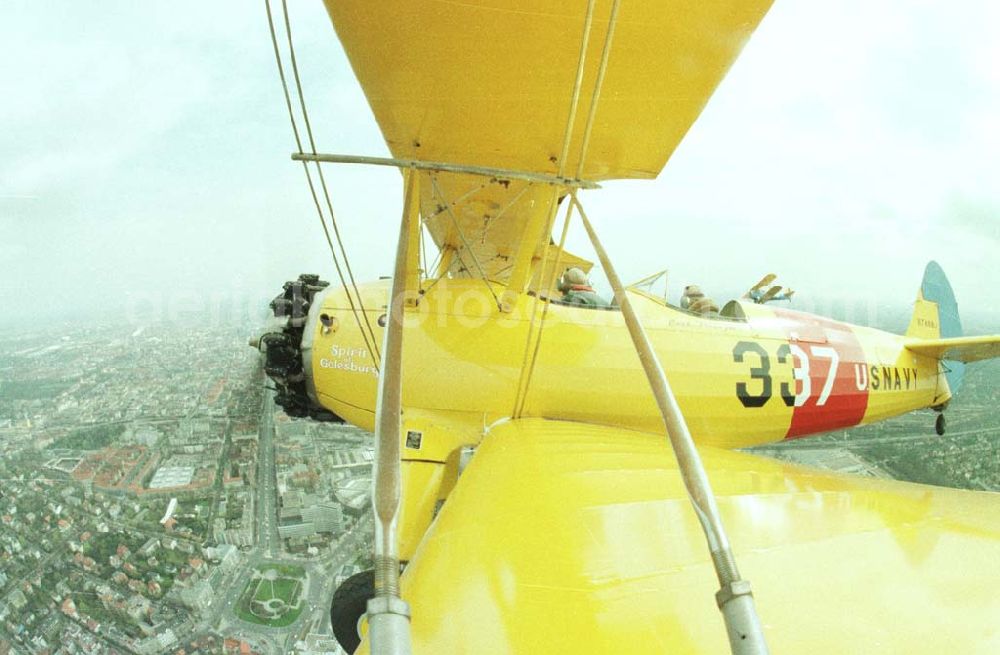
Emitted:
<point x="388" y="614"/>
<point x="412" y="254"/>
<point x="734" y="597"/>
<point x="446" y="167"/>
<point x="598" y="85"/>
<point x="544" y="286"/>
<point x="578" y="83"/>
<point x="537" y="228"/>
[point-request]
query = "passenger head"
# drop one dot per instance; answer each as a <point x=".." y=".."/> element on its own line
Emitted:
<point x="692" y="293"/>
<point x="572" y="276"/>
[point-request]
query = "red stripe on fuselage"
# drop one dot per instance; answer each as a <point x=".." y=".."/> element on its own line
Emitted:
<point x="846" y="404"/>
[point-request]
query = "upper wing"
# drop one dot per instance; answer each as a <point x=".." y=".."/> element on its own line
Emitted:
<point x="490" y="82"/>
<point x="567" y="538"/>
<point x="962" y="349"/>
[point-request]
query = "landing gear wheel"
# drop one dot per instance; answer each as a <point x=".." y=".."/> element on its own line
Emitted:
<point x="350" y="602"/>
<point x="940" y="424"/>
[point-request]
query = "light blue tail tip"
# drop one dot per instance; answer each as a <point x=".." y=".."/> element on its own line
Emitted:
<point x="936" y="288"/>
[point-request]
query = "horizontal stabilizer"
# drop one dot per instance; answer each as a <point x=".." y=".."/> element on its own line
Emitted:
<point x="962" y="349"/>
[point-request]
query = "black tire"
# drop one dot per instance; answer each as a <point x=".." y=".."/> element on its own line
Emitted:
<point x="940" y="424"/>
<point x="350" y="602"/>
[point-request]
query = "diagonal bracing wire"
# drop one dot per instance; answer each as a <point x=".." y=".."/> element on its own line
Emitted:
<point x="547" y="281"/>
<point x="465" y="243"/>
<point x="529" y="352"/>
<point x="588" y="128"/>
<point x="456" y="202"/>
<point x="359" y="307"/>
<point x="503" y="210"/>
<point x="305" y="168"/>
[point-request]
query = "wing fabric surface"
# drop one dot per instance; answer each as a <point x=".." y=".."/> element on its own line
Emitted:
<point x="961" y="349"/>
<point x="490" y="83"/>
<point x="571" y="538"/>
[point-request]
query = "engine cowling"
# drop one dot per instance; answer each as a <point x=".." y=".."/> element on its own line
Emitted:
<point x="281" y="347"/>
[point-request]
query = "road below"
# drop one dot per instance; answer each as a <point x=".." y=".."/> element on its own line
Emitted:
<point x="321" y="571"/>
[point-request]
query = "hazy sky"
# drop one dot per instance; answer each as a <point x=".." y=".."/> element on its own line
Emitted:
<point x="144" y="159"/>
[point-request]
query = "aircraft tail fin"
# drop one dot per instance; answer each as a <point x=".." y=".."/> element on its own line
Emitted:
<point x="935" y="317"/>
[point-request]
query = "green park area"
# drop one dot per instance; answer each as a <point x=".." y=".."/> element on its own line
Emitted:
<point x="273" y="596"/>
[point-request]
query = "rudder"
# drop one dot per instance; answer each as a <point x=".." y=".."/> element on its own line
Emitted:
<point x="935" y="316"/>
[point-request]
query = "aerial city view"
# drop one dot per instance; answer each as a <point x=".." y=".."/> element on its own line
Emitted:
<point x="153" y="500"/>
<point x="641" y="326"/>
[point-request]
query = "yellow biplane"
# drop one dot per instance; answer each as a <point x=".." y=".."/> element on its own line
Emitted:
<point x="543" y="469"/>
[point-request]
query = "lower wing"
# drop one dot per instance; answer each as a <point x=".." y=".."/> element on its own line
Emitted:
<point x="572" y="538"/>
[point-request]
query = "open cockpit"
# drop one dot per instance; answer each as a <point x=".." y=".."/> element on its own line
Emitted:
<point x="693" y="302"/>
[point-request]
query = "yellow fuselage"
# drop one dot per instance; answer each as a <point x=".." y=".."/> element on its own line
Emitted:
<point x="760" y="375"/>
<point x="735" y="379"/>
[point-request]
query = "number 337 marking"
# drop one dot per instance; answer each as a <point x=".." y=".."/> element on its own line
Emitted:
<point x="800" y="370"/>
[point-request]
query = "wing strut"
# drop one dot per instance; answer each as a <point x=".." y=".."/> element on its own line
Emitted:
<point x="388" y="613"/>
<point x="734" y="598"/>
<point x="448" y="167"/>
